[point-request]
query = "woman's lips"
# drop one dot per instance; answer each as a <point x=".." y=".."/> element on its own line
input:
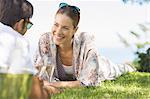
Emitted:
<point x="58" y="37"/>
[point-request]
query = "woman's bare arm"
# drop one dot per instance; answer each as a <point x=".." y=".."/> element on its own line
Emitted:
<point x="64" y="84"/>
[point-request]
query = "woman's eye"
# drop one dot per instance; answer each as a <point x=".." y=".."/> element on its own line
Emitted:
<point x="56" y="24"/>
<point x="66" y="28"/>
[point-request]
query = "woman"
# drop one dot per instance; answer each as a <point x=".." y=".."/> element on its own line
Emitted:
<point x="74" y="56"/>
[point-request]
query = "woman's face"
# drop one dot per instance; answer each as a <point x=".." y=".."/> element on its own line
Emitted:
<point x="63" y="29"/>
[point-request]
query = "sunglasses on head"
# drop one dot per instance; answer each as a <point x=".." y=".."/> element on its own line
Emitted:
<point x="62" y="5"/>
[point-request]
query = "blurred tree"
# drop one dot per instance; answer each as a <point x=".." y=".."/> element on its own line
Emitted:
<point x="141" y="42"/>
<point x="137" y="1"/>
<point x="144" y="61"/>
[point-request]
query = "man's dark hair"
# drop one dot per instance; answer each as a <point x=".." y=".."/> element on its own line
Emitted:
<point x="12" y="11"/>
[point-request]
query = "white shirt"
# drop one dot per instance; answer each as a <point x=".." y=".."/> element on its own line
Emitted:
<point x="68" y="69"/>
<point x="14" y="52"/>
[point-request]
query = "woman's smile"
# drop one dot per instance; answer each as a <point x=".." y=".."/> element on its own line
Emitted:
<point x="58" y="37"/>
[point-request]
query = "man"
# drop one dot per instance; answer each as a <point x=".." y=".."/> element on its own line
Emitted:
<point x="14" y="49"/>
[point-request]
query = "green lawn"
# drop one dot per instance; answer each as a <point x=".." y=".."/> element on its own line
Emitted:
<point x="134" y="85"/>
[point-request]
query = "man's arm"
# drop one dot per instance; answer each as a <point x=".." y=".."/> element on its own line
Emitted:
<point x="37" y="91"/>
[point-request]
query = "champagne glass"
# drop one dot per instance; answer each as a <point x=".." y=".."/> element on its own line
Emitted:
<point x="47" y="69"/>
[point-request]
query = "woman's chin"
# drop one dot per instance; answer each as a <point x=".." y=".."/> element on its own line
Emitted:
<point x="57" y="42"/>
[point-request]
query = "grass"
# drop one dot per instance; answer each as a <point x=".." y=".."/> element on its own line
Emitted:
<point x="15" y="86"/>
<point x="134" y="85"/>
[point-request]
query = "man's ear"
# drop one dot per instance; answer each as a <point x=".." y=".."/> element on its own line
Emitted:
<point x="19" y="25"/>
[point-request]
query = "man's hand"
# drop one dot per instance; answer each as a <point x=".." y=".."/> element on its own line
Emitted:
<point x="38" y="92"/>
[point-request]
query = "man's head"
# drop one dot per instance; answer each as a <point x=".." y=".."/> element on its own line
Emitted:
<point x="16" y="14"/>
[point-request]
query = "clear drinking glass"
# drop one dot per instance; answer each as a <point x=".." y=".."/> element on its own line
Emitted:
<point x="47" y="70"/>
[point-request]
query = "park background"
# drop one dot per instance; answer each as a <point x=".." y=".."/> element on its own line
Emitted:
<point x="103" y="18"/>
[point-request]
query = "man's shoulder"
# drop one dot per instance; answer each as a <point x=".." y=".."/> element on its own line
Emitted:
<point x="7" y="39"/>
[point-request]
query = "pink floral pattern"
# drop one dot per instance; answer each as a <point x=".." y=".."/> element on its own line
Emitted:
<point x="90" y="68"/>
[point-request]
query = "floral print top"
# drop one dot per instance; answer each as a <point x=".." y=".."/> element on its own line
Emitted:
<point x="89" y="67"/>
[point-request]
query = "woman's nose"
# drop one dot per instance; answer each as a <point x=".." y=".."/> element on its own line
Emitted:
<point x="58" y="31"/>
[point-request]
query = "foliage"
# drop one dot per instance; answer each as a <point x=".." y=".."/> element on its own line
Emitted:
<point x="140" y="41"/>
<point x="144" y="61"/>
<point x="133" y="85"/>
<point x="141" y="2"/>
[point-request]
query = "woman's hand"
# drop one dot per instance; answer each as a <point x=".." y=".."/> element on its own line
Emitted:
<point x="52" y="89"/>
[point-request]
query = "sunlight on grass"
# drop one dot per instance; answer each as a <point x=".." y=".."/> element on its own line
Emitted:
<point x="134" y="85"/>
<point x="15" y="86"/>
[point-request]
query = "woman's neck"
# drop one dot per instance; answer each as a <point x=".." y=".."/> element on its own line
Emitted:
<point x="65" y="47"/>
<point x="66" y="54"/>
